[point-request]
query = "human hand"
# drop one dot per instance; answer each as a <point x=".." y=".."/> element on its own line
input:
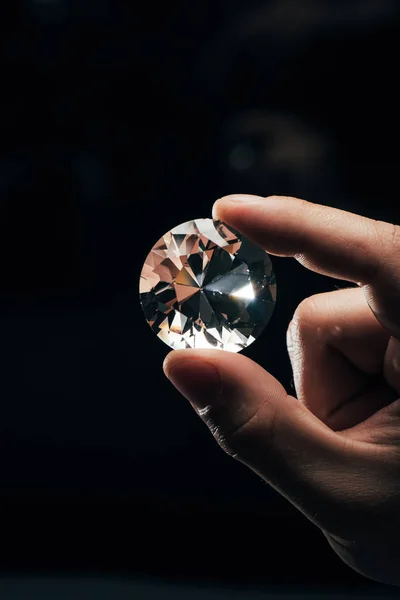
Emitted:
<point x="335" y="451"/>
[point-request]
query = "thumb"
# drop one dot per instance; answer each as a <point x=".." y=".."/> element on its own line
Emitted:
<point x="254" y="420"/>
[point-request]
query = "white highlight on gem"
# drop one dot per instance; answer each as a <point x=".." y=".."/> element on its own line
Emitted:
<point x="245" y="292"/>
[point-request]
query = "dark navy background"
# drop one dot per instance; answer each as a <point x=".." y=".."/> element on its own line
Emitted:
<point x="118" y="121"/>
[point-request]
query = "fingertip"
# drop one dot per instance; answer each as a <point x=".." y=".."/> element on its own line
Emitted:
<point x="167" y="362"/>
<point x="222" y="203"/>
<point x="217" y="208"/>
<point x="176" y="357"/>
<point x="181" y="360"/>
<point x="196" y="377"/>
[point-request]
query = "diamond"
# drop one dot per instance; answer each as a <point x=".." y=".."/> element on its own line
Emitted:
<point x="204" y="285"/>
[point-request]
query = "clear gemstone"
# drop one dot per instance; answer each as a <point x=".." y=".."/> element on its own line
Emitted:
<point x="204" y="285"/>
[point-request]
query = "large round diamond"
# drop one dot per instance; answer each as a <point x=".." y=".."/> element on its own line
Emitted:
<point x="204" y="285"/>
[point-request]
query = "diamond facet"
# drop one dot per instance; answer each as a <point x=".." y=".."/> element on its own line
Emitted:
<point x="204" y="285"/>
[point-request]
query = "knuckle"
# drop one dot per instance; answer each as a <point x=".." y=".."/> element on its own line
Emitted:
<point x="385" y="239"/>
<point x="306" y="315"/>
<point x="390" y="234"/>
<point x="395" y="236"/>
<point x="218" y="431"/>
<point x="388" y="237"/>
<point x="242" y="440"/>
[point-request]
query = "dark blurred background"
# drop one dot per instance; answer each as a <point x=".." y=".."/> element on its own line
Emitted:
<point x="118" y="121"/>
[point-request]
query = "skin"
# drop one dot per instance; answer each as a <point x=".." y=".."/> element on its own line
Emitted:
<point x="334" y="451"/>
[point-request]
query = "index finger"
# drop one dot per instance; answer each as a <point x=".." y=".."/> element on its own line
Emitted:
<point x="324" y="239"/>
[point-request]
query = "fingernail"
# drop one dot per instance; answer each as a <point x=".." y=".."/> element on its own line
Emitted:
<point x="198" y="381"/>
<point x="289" y="337"/>
<point x="242" y="198"/>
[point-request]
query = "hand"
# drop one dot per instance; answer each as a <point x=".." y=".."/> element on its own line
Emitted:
<point x="335" y="451"/>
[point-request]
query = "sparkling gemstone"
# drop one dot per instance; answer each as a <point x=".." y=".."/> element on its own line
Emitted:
<point x="204" y="285"/>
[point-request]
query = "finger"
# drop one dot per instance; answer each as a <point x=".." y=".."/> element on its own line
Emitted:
<point x="391" y="367"/>
<point x="336" y="348"/>
<point x="252" y="418"/>
<point x="326" y="240"/>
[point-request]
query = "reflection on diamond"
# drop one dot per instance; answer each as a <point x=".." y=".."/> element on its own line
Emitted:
<point x="204" y="285"/>
<point x="245" y="292"/>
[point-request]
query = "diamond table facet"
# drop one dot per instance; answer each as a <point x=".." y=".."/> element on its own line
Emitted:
<point x="204" y="285"/>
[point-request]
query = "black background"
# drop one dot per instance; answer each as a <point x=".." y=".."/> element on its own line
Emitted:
<point x="120" y="120"/>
